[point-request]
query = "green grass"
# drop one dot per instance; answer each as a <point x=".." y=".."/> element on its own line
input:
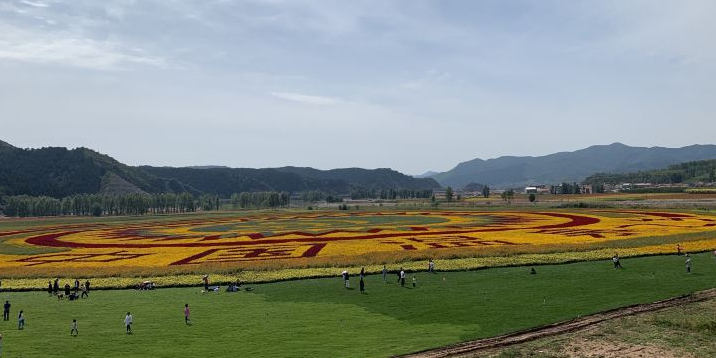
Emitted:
<point x="319" y="318"/>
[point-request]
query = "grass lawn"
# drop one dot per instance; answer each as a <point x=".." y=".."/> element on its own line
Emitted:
<point x="320" y="318"/>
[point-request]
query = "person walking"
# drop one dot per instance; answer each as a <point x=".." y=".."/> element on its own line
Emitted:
<point x="6" y="311"/>
<point x="399" y="271"/>
<point x="362" y="285"/>
<point x="385" y="274"/>
<point x="84" y="292"/>
<point x="688" y="263"/>
<point x="616" y="261"/>
<point x="186" y="314"/>
<point x="431" y="266"/>
<point x="73" y="328"/>
<point x="128" y="319"/>
<point x="21" y="320"/>
<point x="402" y="277"/>
<point x="87" y="286"/>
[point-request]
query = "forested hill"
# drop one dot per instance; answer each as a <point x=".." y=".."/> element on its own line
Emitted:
<point x="703" y="171"/>
<point x="225" y="181"/>
<point x="60" y="172"/>
<point x="370" y="179"/>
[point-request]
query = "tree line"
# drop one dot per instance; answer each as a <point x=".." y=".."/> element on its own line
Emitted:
<point x="390" y="194"/>
<point x="107" y="204"/>
<point x="261" y="199"/>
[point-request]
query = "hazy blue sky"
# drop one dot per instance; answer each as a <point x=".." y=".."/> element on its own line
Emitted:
<point x="412" y="85"/>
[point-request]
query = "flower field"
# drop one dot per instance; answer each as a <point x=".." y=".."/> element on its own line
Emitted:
<point x="273" y="246"/>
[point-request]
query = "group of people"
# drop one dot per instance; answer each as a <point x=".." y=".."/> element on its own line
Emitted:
<point x="401" y="276"/>
<point x="70" y="292"/>
<point x="679" y="251"/>
<point x="6" y="315"/>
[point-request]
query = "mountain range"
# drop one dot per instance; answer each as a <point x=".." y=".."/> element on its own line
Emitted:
<point x="513" y="171"/>
<point x="59" y="172"/>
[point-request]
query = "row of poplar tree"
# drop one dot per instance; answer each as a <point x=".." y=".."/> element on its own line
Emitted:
<point x="106" y="204"/>
<point x="260" y="199"/>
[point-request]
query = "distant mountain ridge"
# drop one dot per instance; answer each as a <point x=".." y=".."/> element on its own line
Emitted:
<point x="512" y="171"/>
<point x="59" y="172"/>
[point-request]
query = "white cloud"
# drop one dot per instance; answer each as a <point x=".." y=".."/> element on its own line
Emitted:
<point x="66" y="48"/>
<point x="308" y="99"/>
<point x="34" y="3"/>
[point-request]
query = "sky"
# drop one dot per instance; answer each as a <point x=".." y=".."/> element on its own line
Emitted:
<point x="409" y="85"/>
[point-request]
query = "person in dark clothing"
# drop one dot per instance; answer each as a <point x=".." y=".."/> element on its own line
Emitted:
<point x="56" y="287"/>
<point x="362" y="285"/>
<point x="87" y="285"/>
<point x="49" y="288"/>
<point x="77" y="285"/>
<point x="6" y="311"/>
<point x="67" y="289"/>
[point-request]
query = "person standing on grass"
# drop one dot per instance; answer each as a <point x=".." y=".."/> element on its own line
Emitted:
<point x="402" y="277"/>
<point x="206" y="282"/>
<point x="399" y="271"/>
<point x="6" y="311"/>
<point x="431" y="266"/>
<point x="362" y="285"/>
<point x="87" y="286"/>
<point x="73" y="328"/>
<point x="615" y="260"/>
<point x="688" y="264"/>
<point x="56" y="287"/>
<point x="84" y="292"/>
<point x="128" y="322"/>
<point x="415" y="281"/>
<point x="21" y="320"/>
<point x="385" y="274"/>
<point x="49" y="288"/>
<point x="186" y="314"/>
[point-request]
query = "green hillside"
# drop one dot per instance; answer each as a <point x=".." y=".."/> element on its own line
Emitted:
<point x="60" y="172"/>
<point x="702" y="171"/>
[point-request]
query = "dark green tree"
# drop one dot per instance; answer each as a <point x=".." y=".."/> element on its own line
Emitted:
<point x="448" y="193"/>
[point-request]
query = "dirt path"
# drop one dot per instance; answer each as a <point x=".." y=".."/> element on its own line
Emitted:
<point x="558" y="328"/>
